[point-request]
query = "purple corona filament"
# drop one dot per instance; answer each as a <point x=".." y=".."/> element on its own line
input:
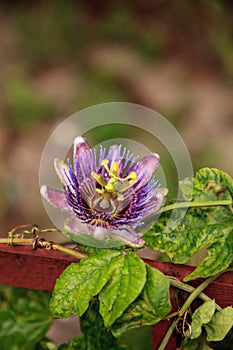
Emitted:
<point x="107" y="194"/>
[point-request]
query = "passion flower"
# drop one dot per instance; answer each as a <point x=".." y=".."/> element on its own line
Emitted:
<point x="106" y="193"/>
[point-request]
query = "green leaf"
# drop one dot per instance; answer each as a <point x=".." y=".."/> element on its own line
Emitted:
<point x="10" y="335"/>
<point x="118" y="276"/>
<point x="75" y="344"/>
<point x="82" y="343"/>
<point x="95" y="335"/>
<point x="137" y="336"/>
<point x="190" y="344"/>
<point x="181" y="236"/>
<point x="219" y="256"/>
<point x="24" y="318"/>
<point x="79" y="282"/>
<point x="94" y="251"/>
<point x="149" y="308"/>
<point x="195" y="345"/>
<point x="220" y="324"/>
<point x="201" y="316"/>
<point x="45" y="344"/>
<point x="206" y="347"/>
<point x="208" y="184"/>
<point x="126" y="283"/>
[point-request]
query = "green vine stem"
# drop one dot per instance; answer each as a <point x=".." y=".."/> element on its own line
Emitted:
<point x="194" y="204"/>
<point x="167" y="336"/>
<point x="187" y="288"/>
<point x="69" y="251"/>
<point x="196" y="293"/>
<point x="44" y="245"/>
<point x="17" y="241"/>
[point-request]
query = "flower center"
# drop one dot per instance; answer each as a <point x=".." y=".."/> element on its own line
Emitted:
<point x="103" y="204"/>
<point x="116" y="186"/>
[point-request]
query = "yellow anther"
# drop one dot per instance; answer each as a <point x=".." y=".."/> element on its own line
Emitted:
<point x="111" y="185"/>
<point x="132" y="176"/>
<point x="115" y="185"/>
<point x="113" y="172"/>
<point x="115" y="168"/>
<point x="105" y="163"/>
<point x="98" y="178"/>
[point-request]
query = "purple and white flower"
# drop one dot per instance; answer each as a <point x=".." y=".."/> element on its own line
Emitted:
<point x="106" y="193"/>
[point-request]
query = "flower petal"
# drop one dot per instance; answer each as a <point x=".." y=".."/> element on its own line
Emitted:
<point x="62" y="171"/>
<point x="128" y="236"/>
<point x="158" y="200"/>
<point x="95" y="237"/>
<point x="56" y="198"/>
<point x="76" y="226"/>
<point x="148" y="165"/>
<point x="161" y="194"/>
<point x="80" y="147"/>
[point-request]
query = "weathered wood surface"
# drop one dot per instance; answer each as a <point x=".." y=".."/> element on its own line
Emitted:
<point x="22" y="267"/>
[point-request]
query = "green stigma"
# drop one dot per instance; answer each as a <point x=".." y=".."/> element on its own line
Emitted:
<point x="115" y="185"/>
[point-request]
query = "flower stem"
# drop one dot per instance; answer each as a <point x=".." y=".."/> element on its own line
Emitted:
<point x="167" y="336"/>
<point x="72" y="252"/>
<point x="44" y="244"/>
<point x="196" y="293"/>
<point x="187" y="288"/>
<point x="16" y="241"/>
<point x="194" y="204"/>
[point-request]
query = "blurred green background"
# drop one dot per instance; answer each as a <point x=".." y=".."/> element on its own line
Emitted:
<point x="57" y="57"/>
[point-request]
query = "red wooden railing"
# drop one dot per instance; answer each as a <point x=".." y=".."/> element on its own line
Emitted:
<point x="22" y="267"/>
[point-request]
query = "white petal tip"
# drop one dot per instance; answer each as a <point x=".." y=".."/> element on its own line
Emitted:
<point x="58" y="164"/>
<point x="156" y="155"/>
<point x="43" y="191"/>
<point x="154" y="160"/>
<point x="56" y="161"/>
<point x="80" y="147"/>
<point x="79" y="140"/>
<point x="162" y="191"/>
<point x="62" y="170"/>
